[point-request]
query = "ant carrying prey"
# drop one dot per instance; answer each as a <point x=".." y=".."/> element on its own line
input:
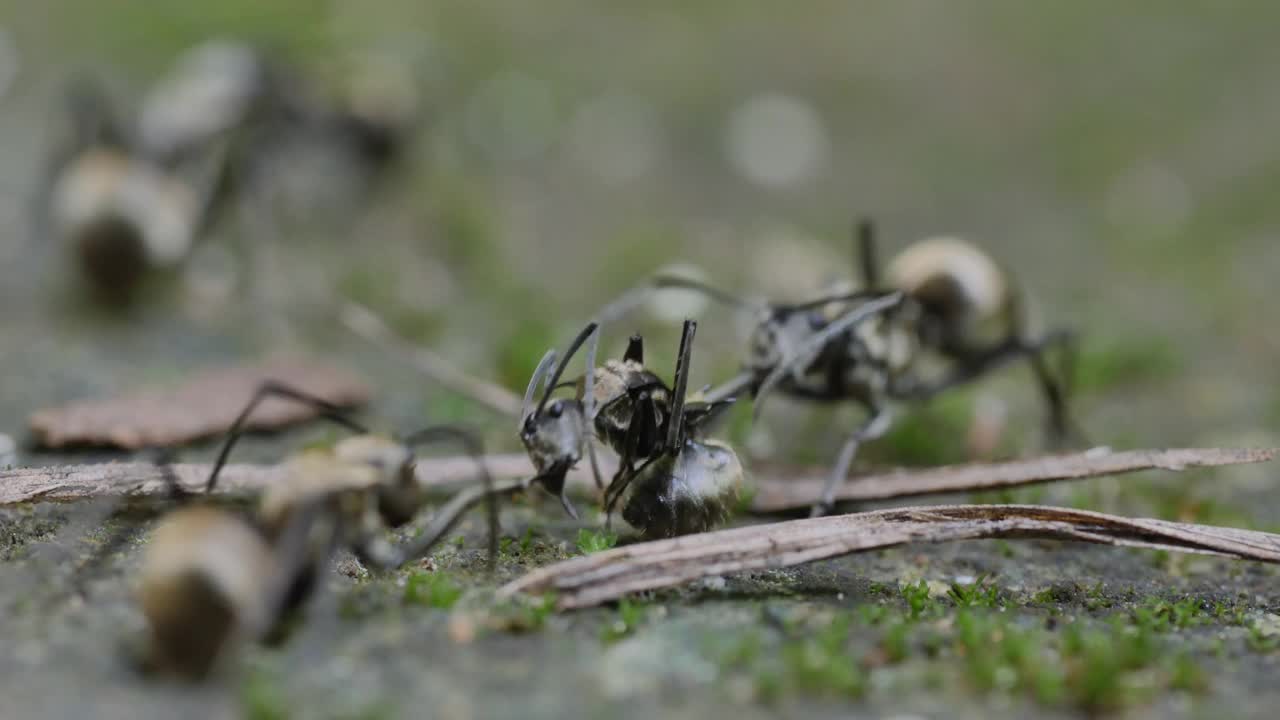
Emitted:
<point x="942" y="296"/>
<point x="675" y="481"/>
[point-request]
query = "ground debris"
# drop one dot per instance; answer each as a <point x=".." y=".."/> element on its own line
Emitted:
<point x="774" y="494"/>
<point x="202" y="406"/>
<point x="612" y="574"/>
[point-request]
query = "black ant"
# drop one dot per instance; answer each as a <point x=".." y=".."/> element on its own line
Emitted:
<point x="679" y="482"/>
<point x="213" y="577"/>
<point x="942" y="296"/>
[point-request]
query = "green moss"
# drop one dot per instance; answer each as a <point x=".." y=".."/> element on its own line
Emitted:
<point x="591" y="541"/>
<point x="262" y="698"/>
<point x="523" y="614"/>
<point x="979" y="593"/>
<point x="919" y="602"/>
<point x="896" y="641"/>
<point x="1261" y="642"/>
<point x="630" y="616"/>
<point x="1159" y="615"/>
<point x="431" y="589"/>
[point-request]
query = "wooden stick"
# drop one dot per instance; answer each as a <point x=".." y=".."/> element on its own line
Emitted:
<point x="76" y="482"/>
<point x="774" y="493"/>
<point x="610" y="575"/>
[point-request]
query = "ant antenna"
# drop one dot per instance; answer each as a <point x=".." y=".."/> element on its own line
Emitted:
<point x="864" y="240"/>
<point x="586" y="332"/>
<point x="538" y="374"/>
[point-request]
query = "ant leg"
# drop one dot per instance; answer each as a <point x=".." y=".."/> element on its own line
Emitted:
<point x="378" y="553"/>
<point x="877" y="425"/>
<point x="589" y="332"/>
<point x="675" y="423"/>
<point x="864" y="239"/>
<point x="635" y="349"/>
<point x="297" y="561"/>
<point x="731" y="388"/>
<point x="1060" y="425"/>
<point x="627" y="458"/>
<point x="595" y="464"/>
<point x="475" y="448"/>
<point x="701" y="417"/>
<point x="624" y="483"/>
<point x="633" y="298"/>
<point x="271" y="388"/>
<point x="1059" y="422"/>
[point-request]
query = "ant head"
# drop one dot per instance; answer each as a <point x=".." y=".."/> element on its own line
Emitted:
<point x="555" y="436"/>
<point x="555" y="431"/>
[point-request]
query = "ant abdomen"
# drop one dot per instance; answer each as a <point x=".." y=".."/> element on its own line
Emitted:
<point x="201" y="588"/>
<point x="690" y="492"/>
<point x="962" y="291"/>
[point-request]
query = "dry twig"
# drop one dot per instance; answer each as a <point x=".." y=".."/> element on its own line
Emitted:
<point x="774" y="493"/>
<point x="610" y="575"/>
<point x="363" y="322"/>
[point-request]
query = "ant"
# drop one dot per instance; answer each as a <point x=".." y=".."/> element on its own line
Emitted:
<point x="213" y="577"/>
<point x="942" y="296"/>
<point x="679" y="482"/>
<point x="124" y="210"/>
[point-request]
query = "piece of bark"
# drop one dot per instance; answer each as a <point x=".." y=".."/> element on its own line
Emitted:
<point x="776" y="494"/>
<point x="610" y="575"/>
<point x="202" y="406"/>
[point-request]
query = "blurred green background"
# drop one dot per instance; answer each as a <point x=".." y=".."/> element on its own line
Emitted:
<point x="1118" y="159"/>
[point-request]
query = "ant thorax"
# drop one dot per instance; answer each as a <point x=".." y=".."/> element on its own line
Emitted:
<point x="614" y="385"/>
<point x="690" y="492"/>
<point x="882" y="348"/>
<point x="317" y="474"/>
<point x="775" y="337"/>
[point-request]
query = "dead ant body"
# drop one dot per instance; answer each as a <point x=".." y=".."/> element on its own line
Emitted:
<point x="679" y="482"/>
<point x="212" y="577"/>
<point x="943" y="296"/>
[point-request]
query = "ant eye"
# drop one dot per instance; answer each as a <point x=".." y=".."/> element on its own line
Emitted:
<point x="556" y="409"/>
<point x="816" y="320"/>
